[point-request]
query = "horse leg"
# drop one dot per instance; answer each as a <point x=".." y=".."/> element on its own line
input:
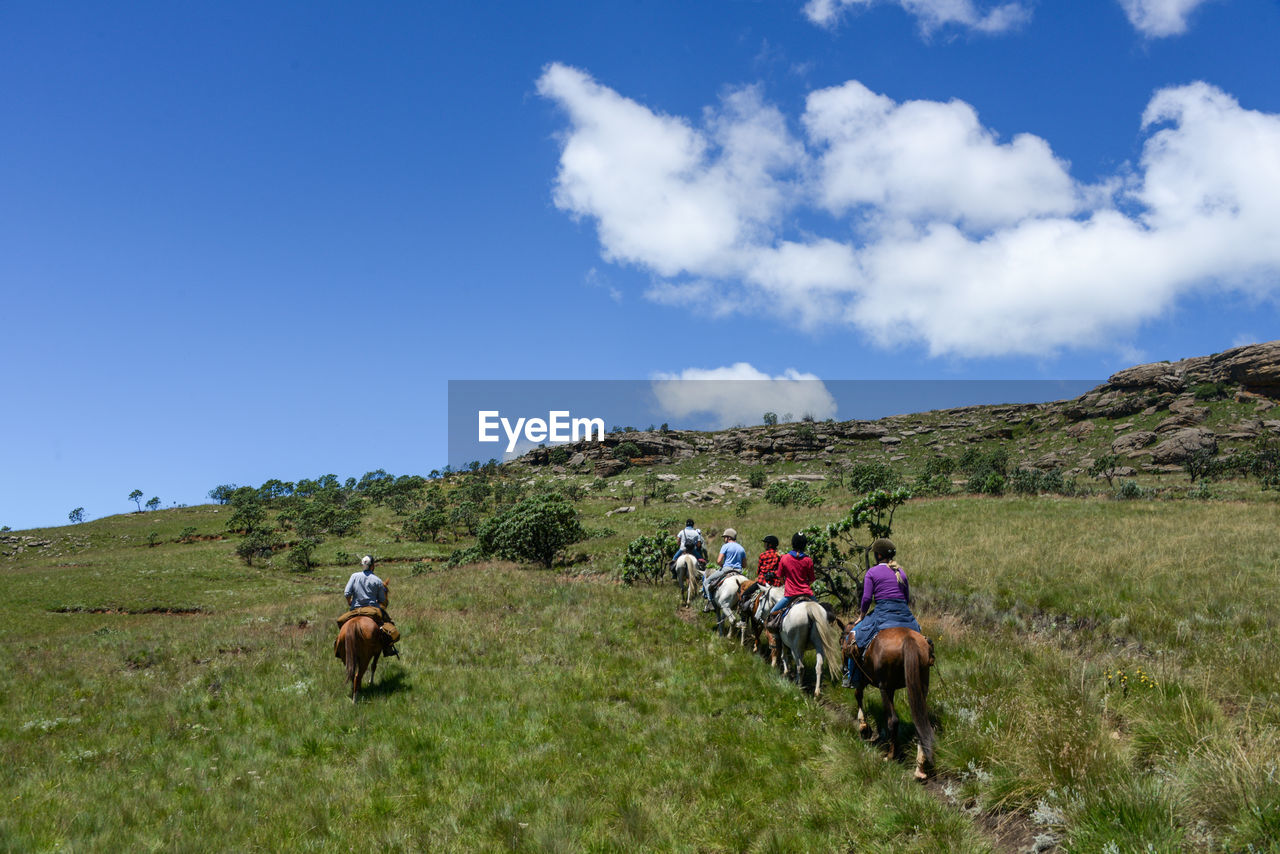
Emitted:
<point x="864" y="729"/>
<point x="891" y="721"/>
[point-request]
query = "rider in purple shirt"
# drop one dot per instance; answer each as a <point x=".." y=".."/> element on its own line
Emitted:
<point x="885" y="584"/>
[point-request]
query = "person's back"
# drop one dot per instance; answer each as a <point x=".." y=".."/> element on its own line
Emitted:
<point x="365" y="590"/>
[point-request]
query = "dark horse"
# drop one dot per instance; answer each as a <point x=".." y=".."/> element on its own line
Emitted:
<point x="899" y="658"/>
<point x="359" y="645"/>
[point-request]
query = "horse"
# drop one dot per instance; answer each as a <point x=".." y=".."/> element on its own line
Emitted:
<point x="359" y="645"/>
<point x="806" y="625"/>
<point x="725" y="600"/>
<point x="688" y="576"/>
<point x="753" y="610"/>
<point x="899" y="657"/>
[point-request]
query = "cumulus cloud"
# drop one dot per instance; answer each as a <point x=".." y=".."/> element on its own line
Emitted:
<point x="932" y="14"/>
<point x="741" y="394"/>
<point x="1159" y="18"/>
<point x="941" y="232"/>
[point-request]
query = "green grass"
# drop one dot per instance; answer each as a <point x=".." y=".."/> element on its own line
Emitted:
<point x="171" y="697"/>
<point x="531" y="712"/>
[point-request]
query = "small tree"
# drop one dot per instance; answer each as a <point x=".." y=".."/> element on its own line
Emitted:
<point x="1106" y="467"/>
<point x="153" y="537"/>
<point x="76" y="516"/>
<point x="136" y="498"/>
<point x="647" y="556"/>
<point x="1200" y="463"/>
<point x="770" y="419"/>
<point x="222" y="493"/>
<point x="153" y="502"/>
<point x="534" y="530"/>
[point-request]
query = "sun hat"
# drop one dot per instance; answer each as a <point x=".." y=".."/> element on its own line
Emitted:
<point x="730" y="533"/>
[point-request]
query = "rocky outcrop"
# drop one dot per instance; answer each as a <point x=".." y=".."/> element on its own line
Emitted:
<point x="1183" y="444"/>
<point x="1132" y="443"/>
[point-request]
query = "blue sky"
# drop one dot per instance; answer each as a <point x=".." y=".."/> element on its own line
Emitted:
<point x="242" y="241"/>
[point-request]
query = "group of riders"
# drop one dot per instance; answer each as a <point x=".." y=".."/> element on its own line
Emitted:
<point x="884" y="586"/>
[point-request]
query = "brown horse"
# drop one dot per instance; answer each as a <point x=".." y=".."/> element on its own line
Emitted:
<point x="359" y="646"/>
<point x="899" y="658"/>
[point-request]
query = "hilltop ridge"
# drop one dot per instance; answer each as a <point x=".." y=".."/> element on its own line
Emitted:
<point x="1153" y="415"/>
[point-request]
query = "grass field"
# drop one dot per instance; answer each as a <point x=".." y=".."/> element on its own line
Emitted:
<point x="1107" y="676"/>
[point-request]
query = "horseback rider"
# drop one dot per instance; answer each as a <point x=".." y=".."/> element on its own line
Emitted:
<point x="731" y="560"/>
<point x="689" y="541"/>
<point x="767" y="573"/>
<point x="886" y="585"/>
<point x="366" y="590"/>
<point x="796" y="569"/>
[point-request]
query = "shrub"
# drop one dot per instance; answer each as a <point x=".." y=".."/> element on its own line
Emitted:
<point x="1129" y="490"/>
<point x="626" y="452"/>
<point x="559" y="455"/>
<point x="757" y="478"/>
<point x="647" y="557"/>
<point x="784" y="493"/>
<point x="188" y="534"/>
<point x="534" y="530"/>
<point x="869" y="477"/>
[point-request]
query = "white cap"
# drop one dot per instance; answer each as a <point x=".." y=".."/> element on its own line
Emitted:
<point x="366" y="560"/>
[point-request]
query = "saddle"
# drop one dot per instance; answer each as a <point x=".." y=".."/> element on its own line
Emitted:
<point x="390" y="634"/>
<point x="714" y="587"/>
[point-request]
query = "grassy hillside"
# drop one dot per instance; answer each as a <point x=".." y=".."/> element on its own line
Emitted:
<point x="171" y="697"/>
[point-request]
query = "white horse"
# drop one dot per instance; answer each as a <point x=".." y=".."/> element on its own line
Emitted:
<point x="688" y="576"/>
<point x="806" y="626"/>
<point x="725" y="600"/>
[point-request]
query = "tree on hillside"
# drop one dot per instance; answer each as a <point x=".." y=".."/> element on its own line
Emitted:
<point x="136" y="498"/>
<point x="535" y="530"/>
<point x="222" y="493"/>
<point x="1106" y="467"/>
<point x="76" y="516"/>
<point x="770" y="419"/>
<point x="153" y="502"/>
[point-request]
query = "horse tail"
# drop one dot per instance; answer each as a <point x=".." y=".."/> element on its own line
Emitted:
<point x="349" y="652"/>
<point x="828" y="632"/>
<point x="915" y="666"/>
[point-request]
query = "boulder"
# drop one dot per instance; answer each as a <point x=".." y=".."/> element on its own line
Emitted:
<point x="1132" y="443"/>
<point x="1183" y="444"/>
<point x="608" y="468"/>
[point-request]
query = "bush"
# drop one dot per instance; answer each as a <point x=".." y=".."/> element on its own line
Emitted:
<point x="534" y="530"/>
<point x="785" y="493"/>
<point x="757" y="478"/>
<point x="869" y="477"/>
<point x="626" y="452"/>
<point x="188" y="534"/>
<point x="648" y="556"/>
<point x="559" y="455"/>
<point x="1129" y="491"/>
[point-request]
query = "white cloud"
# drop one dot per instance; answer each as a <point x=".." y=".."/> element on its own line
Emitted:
<point x="929" y="160"/>
<point x="942" y="233"/>
<point x="741" y="394"/>
<point x="1158" y="18"/>
<point x="932" y="14"/>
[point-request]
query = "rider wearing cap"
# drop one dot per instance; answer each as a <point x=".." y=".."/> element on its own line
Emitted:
<point x="689" y="541"/>
<point x="767" y="572"/>
<point x="366" y="590"/>
<point x="796" y="569"/>
<point x="732" y="558"/>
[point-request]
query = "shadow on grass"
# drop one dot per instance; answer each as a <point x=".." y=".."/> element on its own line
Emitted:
<point x="391" y="681"/>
